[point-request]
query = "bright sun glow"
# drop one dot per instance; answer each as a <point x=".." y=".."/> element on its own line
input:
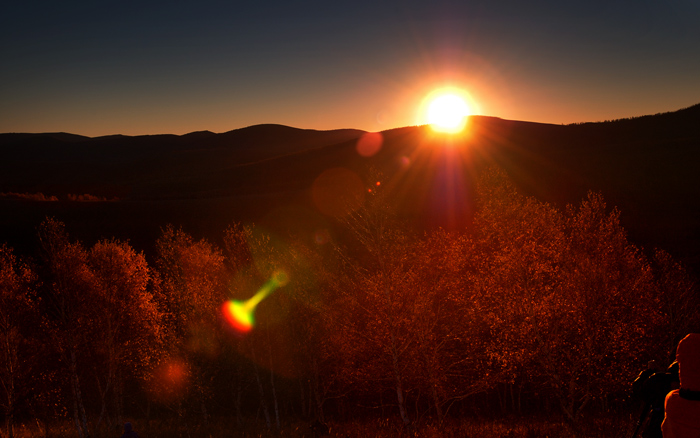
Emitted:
<point x="446" y="110"/>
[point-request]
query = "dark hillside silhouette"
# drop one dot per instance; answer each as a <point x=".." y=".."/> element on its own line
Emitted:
<point x="63" y="162"/>
<point x="647" y="166"/>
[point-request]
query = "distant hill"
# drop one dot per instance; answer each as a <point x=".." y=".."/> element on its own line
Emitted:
<point x="647" y="166"/>
<point x="123" y="166"/>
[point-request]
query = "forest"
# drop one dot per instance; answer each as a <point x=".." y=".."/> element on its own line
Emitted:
<point x="534" y="310"/>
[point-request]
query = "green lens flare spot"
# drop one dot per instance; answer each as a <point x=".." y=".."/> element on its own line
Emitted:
<point x="240" y="314"/>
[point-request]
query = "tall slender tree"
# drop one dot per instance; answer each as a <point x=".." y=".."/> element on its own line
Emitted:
<point x="374" y="290"/>
<point x="67" y="296"/>
<point x="192" y="287"/>
<point x="128" y="323"/>
<point x="18" y="317"/>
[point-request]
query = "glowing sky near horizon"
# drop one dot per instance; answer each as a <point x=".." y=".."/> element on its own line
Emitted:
<point x="149" y="67"/>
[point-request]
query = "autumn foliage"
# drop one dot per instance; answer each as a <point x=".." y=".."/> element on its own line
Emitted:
<point x="533" y="308"/>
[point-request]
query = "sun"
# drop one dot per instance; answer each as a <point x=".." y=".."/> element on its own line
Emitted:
<point x="446" y="110"/>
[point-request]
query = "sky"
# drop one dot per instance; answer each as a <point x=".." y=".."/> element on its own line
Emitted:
<point x="103" y="67"/>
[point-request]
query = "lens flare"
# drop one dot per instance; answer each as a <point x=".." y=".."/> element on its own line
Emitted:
<point x="321" y="237"/>
<point x="369" y="144"/>
<point x="238" y="315"/>
<point x="169" y="381"/>
<point x="241" y="314"/>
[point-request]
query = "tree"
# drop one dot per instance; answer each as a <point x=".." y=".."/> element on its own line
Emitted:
<point x="253" y="258"/>
<point x="192" y="286"/>
<point x="569" y="301"/>
<point x="128" y="324"/>
<point x="680" y="302"/>
<point x="372" y="290"/>
<point x="17" y="317"/>
<point x="518" y="246"/>
<point x="446" y="326"/>
<point x="607" y="314"/>
<point x="67" y="286"/>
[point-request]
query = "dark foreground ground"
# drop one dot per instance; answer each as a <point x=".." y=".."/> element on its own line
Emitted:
<point x="599" y="426"/>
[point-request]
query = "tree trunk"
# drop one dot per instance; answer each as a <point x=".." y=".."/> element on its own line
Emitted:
<point x="118" y="393"/>
<point x="76" y="417"/>
<point x="263" y="405"/>
<point x="108" y="382"/>
<point x="304" y="414"/>
<point x="205" y="413"/>
<point x="317" y="393"/>
<point x="9" y="424"/>
<point x="399" y="386"/>
<point x="501" y="397"/>
<point x="239" y="394"/>
<point x="272" y="384"/>
<point x="274" y="399"/>
<point x="103" y="399"/>
<point x="79" y="407"/>
<point x="10" y="387"/>
<point x="436" y="402"/>
<point x="429" y="369"/>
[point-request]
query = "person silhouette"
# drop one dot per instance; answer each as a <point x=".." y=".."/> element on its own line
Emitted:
<point x="129" y="431"/>
<point x="651" y="387"/>
<point x="682" y="406"/>
<point x="638" y="383"/>
<point x="655" y="389"/>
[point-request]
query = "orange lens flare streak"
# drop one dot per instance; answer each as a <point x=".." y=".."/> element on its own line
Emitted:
<point x="241" y="314"/>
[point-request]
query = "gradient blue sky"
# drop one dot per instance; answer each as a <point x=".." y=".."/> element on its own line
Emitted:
<point x="148" y="67"/>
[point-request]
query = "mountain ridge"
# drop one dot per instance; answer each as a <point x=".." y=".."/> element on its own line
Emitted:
<point x="646" y="166"/>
